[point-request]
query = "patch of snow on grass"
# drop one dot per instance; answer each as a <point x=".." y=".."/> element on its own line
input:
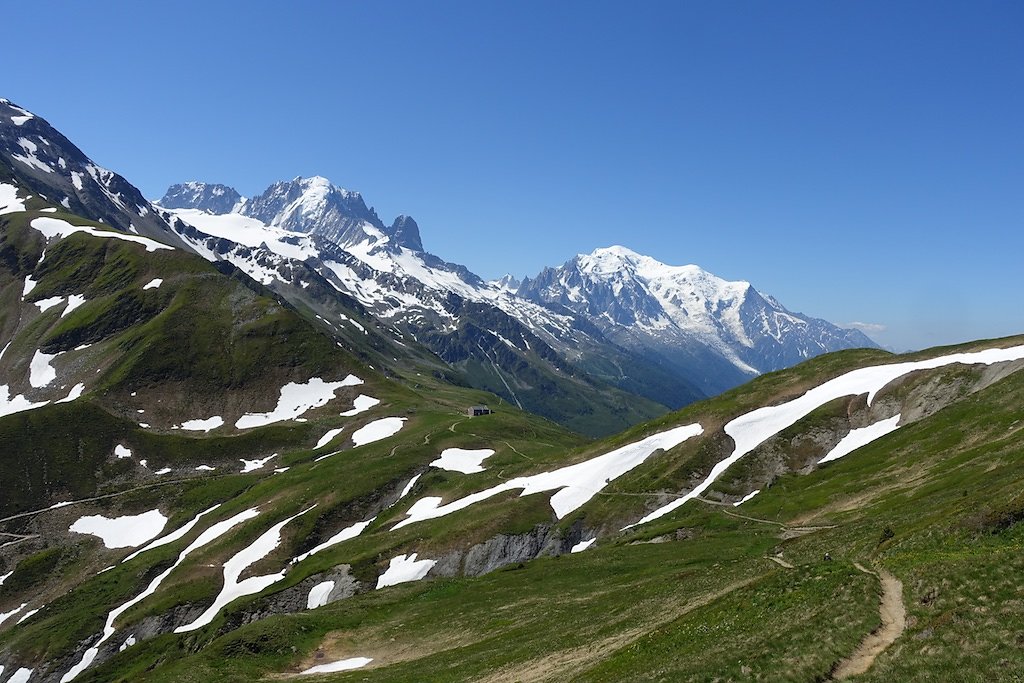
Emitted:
<point x="403" y="569"/>
<point x="10" y="405"/>
<point x="296" y="399"/>
<point x="48" y="303"/>
<point x="203" y="425"/>
<point x="153" y="284"/>
<point x="343" y="535"/>
<point x="21" y="675"/>
<point x="576" y="484"/>
<point x="328" y="437"/>
<point x="233" y="568"/>
<point x="343" y="665"/>
<point x="745" y="498"/>
<point x="173" y="536"/>
<point x="208" y="536"/>
<point x="9" y="202"/>
<point x="462" y="460"/>
<point x="4" y="616"/>
<point x="127" y="643"/>
<point x="253" y="465"/>
<point x="361" y="404"/>
<point x="28" y="614"/>
<point x="318" y="594"/>
<point x="861" y="437"/>
<point x="74" y="301"/>
<point x="750" y="430"/>
<point x="76" y="392"/>
<point x="55" y="227"/>
<point x="41" y="373"/>
<point x="377" y="430"/>
<point x="408" y="487"/>
<point x="583" y="545"/>
<point x="205" y="468"/>
<point x="30" y="284"/>
<point x="122" y="451"/>
<point x="122" y="532"/>
<point x="4" y="577"/>
<point x="165" y="470"/>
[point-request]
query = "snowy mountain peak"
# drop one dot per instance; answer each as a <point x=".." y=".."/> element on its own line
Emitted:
<point x="507" y="283"/>
<point x="645" y="304"/>
<point x="406" y="233"/>
<point x="211" y="197"/>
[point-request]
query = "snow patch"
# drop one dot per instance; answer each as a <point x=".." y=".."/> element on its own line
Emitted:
<point x="404" y="568"/>
<point x="576" y="484"/>
<point x="462" y="460"/>
<point x="203" y="425"/>
<point x="48" y="303"/>
<point x="750" y="430"/>
<point x="377" y="430"/>
<point x="9" y="202"/>
<point x="253" y="465"/>
<point x="343" y="535"/>
<point x="861" y="437"/>
<point x="343" y="665"/>
<point x="328" y="437"/>
<point x="41" y="373"/>
<point x="745" y="498"/>
<point x="583" y="545"/>
<point x="75" y="393"/>
<point x="154" y="283"/>
<point x="16" y="404"/>
<point x="318" y="594"/>
<point x="233" y="568"/>
<point x="55" y="227"/>
<point x="122" y="532"/>
<point x="296" y="399"/>
<point x="361" y="404"/>
<point x="74" y="301"/>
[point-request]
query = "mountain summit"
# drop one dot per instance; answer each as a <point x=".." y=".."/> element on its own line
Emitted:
<point x="716" y="332"/>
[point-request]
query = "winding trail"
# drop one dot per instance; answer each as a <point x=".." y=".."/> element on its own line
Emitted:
<point x="894" y="620"/>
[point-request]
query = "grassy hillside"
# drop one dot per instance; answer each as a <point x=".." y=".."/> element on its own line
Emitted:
<point x="785" y="586"/>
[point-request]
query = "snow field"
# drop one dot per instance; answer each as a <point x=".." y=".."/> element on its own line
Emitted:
<point x="128" y="531"/>
<point x="462" y="460"/>
<point x="576" y="484"/>
<point x="296" y="399"/>
<point x="55" y="227"/>
<point x="750" y="430"/>
<point x="343" y="665"/>
<point x="404" y="568"/>
<point x="233" y="568"/>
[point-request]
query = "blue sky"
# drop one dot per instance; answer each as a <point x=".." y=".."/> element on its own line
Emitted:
<point x="860" y="161"/>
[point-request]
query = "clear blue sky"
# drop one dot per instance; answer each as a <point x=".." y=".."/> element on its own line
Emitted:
<point x="860" y="161"/>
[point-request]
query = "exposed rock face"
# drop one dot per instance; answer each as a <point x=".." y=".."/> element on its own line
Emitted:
<point x="212" y="197"/>
<point x="50" y="165"/>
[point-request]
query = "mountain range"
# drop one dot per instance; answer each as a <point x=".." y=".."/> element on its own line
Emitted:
<point x="624" y="318"/>
<point x="238" y="448"/>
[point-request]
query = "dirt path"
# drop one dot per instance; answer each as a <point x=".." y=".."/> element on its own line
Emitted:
<point x="781" y="562"/>
<point x="894" y="616"/>
<point x="787" y="530"/>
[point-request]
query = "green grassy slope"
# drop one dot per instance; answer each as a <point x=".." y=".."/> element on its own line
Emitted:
<point x="694" y="595"/>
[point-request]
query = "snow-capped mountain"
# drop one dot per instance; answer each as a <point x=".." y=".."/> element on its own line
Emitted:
<point x="686" y="315"/>
<point x="596" y="358"/>
<point x="210" y="197"/>
<point x="50" y="165"/>
<point x="532" y="356"/>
